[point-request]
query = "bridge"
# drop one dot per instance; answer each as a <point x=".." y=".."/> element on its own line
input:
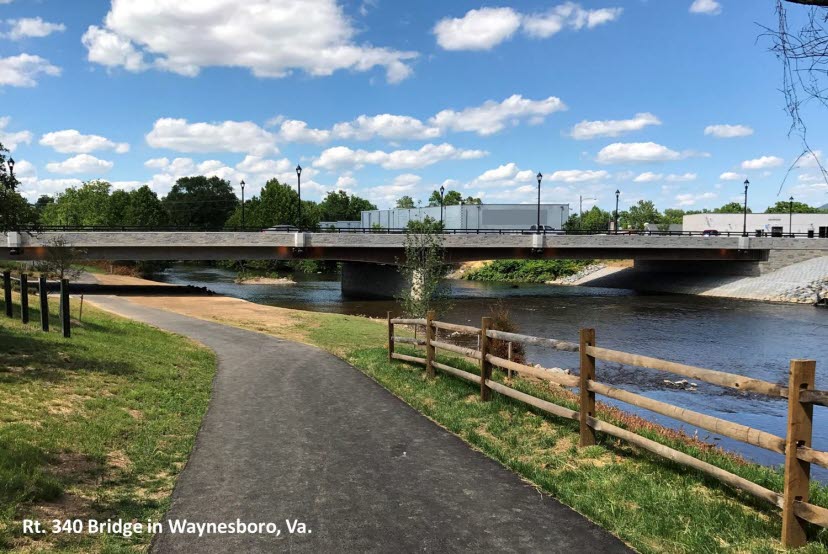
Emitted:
<point x="368" y="257"/>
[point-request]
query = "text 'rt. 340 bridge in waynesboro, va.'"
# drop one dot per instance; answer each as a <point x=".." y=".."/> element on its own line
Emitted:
<point x="369" y="255"/>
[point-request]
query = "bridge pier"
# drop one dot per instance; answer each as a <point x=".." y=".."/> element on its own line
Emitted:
<point x="373" y="281"/>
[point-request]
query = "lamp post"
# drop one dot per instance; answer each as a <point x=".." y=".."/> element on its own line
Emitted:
<point x="617" y="196"/>
<point x="790" y="216"/>
<point x="540" y="178"/>
<point x="242" y="187"/>
<point x="442" y="192"/>
<point x="299" y="191"/>
<point x="744" y="220"/>
<point x="11" y="167"/>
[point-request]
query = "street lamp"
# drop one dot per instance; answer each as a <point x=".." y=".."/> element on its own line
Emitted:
<point x="242" y="187"/>
<point x="11" y="167"/>
<point x="442" y="191"/>
<point x="540" y="178"/>
<point x="790" y="216"/>
<point x="617" y="196"/>
<point x="299" y="191"/>
<point x="744" y="223"/>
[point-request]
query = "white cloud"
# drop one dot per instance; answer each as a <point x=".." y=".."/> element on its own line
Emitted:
<point x="346" y="181"/>
<point x="728" y="131"/>
<point x="23" y="70"/>
<point x="491" y="117"/>
<point x="11" y="140"/>
<point x="505" y="171"/>
<point x="635" y="152"/>
<point x="648" y="177"/>
<point x="33" y="27"/>
<point x="485" y="28"/>
<point x="82" y="163"/>
<point x="764" y="162"/>
<point x="258" y="165"/>
<point x="271" y="38"/>
<point x="480" y="29"/>
<point x="691" y="199"/>
<point x="731" y="176"/>
<point x="71" y="141"/>
<point x="810" y="159"/>
<point x="227" y="136"/>
<point x="293" y="130"/>
<point x="342" y="157"/>
<point x="613" y="127"/>
<point x="388" y="194"/>
<point x="388" y="126"/>
<point x="577" y="176"/>
<point x="709" y="7"/>
<point x="681" y="177"/>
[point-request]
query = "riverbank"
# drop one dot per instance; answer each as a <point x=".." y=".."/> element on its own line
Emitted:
<point x="612" y="483"/>
<point x="97" y="426"/>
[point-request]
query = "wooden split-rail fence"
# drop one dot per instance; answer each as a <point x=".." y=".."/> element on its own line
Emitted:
<point x="795" y="445"/>
<point x="43" y="293"/>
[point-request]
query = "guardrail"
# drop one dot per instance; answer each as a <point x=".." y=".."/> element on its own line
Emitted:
<point x="795" y="445"/>
<point x="397" y="231"/>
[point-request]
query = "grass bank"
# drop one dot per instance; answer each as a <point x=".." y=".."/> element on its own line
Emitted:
<point x="98" y="426"/>
<point x="525" y="271"/>
<point x="653" y="504"/>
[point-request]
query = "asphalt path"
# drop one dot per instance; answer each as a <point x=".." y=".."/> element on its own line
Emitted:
<point x="294" y="434"/>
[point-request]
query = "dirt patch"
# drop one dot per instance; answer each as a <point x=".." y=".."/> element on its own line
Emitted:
<point x="75" y="467"/>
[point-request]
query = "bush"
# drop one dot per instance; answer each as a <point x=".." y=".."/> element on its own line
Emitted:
<point x="527" y="271"/>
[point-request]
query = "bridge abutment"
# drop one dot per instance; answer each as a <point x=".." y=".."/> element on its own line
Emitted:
<point x="367" y="280"/>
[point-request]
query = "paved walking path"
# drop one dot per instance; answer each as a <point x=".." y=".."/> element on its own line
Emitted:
<point x="293" y="432"/>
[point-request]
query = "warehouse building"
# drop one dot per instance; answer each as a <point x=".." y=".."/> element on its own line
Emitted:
<point x="767" y="224"/>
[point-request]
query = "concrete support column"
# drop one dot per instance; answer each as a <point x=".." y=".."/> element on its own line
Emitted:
<point x="364" y="280"/>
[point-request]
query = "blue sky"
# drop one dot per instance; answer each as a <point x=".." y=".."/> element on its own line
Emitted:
<point x="672" y="101"/>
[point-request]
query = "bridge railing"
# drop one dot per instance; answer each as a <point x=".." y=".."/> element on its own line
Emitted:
<point x="795" y="445"/>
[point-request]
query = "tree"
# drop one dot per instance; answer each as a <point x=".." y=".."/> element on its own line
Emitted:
<point x="200" y="202"/>
<point x="61" y="260"/>
<point x="84" y="205"/>
<point x="422" y="268"/>
<point x="117" y="207"/>
<point x="277" y="204"/>
<point x="472" y="201"/>
<point x="340" y="206"/>
<point x="594" y="219"/>
<point x="451" y="198"/>
<point x="406" y="202"/>
<point x="783" y="207"/>
<point x="15" y="211"/>
<point x="144" y="209"/>
<point x="731" y="208"/>
<point x="639" y="215"/>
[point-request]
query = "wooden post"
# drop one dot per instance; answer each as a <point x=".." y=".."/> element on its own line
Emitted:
<point x="390" y="338"/>
<point x="7" y="293"/>
<point x="485" y="365"/>
<point x="24" y="298"/>
<point x="587" y="408"/>
<point x="429" y="336"/>
<point x="797" y="472"/>
<point x="64" y="308"/>
<point x="509" y="356"/>
<point x="44" y="303"/>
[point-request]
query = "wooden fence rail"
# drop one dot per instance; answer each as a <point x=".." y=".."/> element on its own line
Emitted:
<point x="795" y="445"/>
<point x="42" y="290"/>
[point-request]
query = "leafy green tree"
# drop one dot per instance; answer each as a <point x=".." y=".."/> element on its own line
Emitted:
<point x="422" y="268"/>
<point x="451" y="198"/>
<point x="42" y="202"/>
<point x="406" y="202"/>
<point x="594" y="219"/>
<point x="277" y="204"/>
<point x="200" y="202"/>
<point x="783" y="207"/>
<point x="15" y="211"/>
<point x="731" y="208"/>
<point x="144" y="209"/>
<point x="84" y="205"/>
<point x="340" y="206"/>
<point x="117" y="207"/>
<point x="639" y="215"/>
<point x="472" y="201"/>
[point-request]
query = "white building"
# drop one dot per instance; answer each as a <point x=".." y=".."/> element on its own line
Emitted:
<point x="770" y="224"/>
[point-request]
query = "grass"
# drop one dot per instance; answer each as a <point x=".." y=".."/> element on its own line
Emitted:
<point x="98" y="426"/>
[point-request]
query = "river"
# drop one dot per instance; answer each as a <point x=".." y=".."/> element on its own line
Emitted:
<point x="748" y="338"/>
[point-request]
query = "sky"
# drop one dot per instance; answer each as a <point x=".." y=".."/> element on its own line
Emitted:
<point x="673" y="101"/>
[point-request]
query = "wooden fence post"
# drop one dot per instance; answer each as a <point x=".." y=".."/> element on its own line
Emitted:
<point x="24" y="298"/>
<point x="7" y="293"/>
<point x="797" y="472"/>
<point x="509" y="356"/>
<point x="429" y="336"/>
<point x="485" y="365"/>
<point x="390" y="338"/>
<point x="587" y="407"/>
<point x="64" y="308"/>
<point x="44" y="303"/>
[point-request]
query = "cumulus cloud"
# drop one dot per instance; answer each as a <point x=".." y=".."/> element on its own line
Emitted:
<point x="80" y="164"/>
<point x="271" y="38"/>
<point x="259" y="165"/>
<point x="388" y="126"/>
<point x="491" y="117"/>
<point x="71" y="141"/>
<point x="485" y="28"/>
<point x="808" y="160"/>
<point x="226" y="136"/>
<point x="648" y="177"/>
<point x="12" y="139"/>
<point x="731" y="176"/>
<point x="690" y="199"/>
<point x="577" y="176"/>
<point x="401" y="185"/>
<point x="31" y="27"/>
<point x="765" y="162"/>
<point x="340" y="157"/>
<point x="636" y="152"/>
<point x="613" y="127"/>
<point x="728" y="131"/>
<point x="707" y="7"/>
<point x="24" y="69"/>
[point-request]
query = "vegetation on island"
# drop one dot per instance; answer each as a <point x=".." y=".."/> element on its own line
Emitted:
<point x="526" y="271"/>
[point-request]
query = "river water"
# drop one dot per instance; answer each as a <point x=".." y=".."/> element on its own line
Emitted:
<point x="749" y="338"/>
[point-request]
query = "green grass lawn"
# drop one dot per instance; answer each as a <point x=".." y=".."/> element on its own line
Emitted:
<point x="97" y="426"/>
